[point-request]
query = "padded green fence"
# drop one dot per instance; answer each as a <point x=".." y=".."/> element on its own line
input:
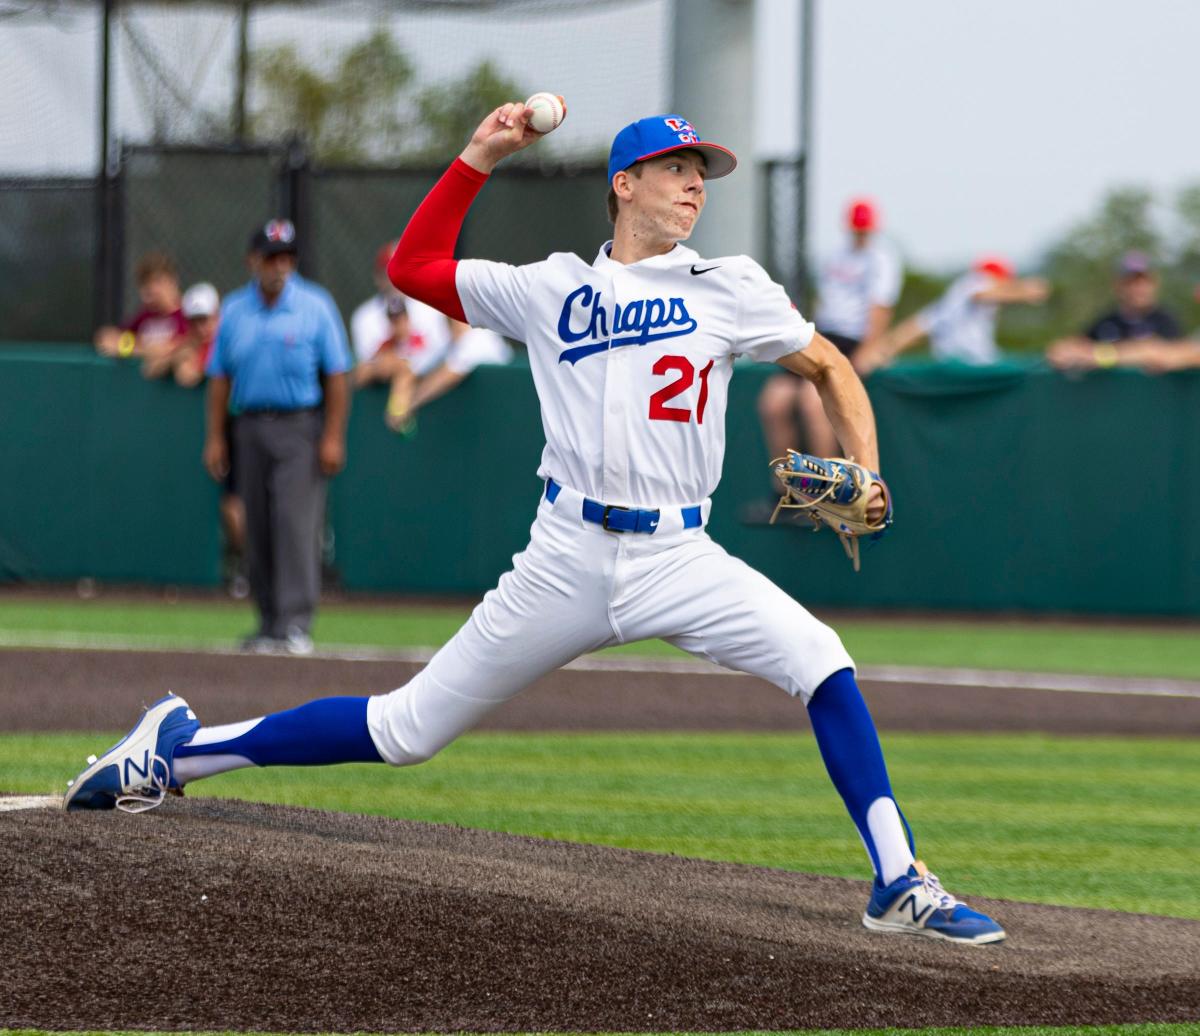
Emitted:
<point x="1016" y="487"/>
<point x="100" y="473"/>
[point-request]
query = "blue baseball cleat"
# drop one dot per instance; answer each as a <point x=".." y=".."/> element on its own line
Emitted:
<point x="916" y="904"/>
<point x="135" y="774"/>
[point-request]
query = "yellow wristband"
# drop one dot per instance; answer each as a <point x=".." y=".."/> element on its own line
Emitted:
<point x="125" y="344"/>
<point x="1105" y="355"/>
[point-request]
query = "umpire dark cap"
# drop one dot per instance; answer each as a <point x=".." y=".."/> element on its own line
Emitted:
<point x="660" y="135"/>
<point x="277" y="237"/>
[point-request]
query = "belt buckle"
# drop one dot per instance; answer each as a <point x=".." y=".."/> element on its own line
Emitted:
<point x="607" y="509"/>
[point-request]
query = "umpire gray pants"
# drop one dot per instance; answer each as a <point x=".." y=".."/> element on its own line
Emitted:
<point x="284" y="493"/>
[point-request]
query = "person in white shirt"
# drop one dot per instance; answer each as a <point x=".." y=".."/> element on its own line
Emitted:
<point x="470" y="347"/>
<point x="857" y="292"/>
<point x="631" y="356"/>
<point x="428" y="335"/>
<point x="421" y="353"/>
<point x="961" y="325"/>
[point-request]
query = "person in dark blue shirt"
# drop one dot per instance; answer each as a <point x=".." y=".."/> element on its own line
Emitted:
<point x="280" y="362"/>
<point x="1138" y="323"/>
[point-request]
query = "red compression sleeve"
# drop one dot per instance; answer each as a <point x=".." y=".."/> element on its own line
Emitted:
<point x="423" y="264"/>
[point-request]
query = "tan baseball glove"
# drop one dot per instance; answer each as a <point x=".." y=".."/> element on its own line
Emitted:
<point x="832" y="491"/>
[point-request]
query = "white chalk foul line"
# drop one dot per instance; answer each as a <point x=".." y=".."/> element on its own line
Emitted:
<point x="9" y="803"/>
<point x="1010" y="679"/>
<point x="1081" y="683"/>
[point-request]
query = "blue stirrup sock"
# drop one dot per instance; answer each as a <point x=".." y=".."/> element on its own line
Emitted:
<point x="318" y="733"/>
<point x="850" y="747"/>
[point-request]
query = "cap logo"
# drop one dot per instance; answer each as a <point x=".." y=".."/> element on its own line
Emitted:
<point x="683" y="129"/>
<point x="280" y="231"/>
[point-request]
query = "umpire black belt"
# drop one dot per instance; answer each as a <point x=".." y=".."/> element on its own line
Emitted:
<point x="616" y="518"/>
<point x="273" y="412"/>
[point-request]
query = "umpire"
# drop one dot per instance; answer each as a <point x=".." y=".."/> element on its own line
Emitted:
<point x="280" y="357"/>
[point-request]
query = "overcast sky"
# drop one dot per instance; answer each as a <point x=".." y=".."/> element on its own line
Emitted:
<point x="995" y="126"/>
<point x="978" y="127"/>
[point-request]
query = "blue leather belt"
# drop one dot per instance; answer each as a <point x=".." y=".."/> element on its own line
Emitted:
<point x="616" y="518"/>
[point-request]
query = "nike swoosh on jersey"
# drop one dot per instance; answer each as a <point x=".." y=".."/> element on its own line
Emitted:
<point x="707" y="269"/>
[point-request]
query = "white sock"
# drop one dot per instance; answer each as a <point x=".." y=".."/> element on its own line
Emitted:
<point x="890" y="838"/>
<point x="193" y="767"/>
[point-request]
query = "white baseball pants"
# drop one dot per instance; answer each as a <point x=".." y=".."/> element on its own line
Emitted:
<point x="578" y="587"/>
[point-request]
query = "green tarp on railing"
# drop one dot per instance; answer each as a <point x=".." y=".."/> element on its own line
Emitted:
<point x="1015" y="487"/>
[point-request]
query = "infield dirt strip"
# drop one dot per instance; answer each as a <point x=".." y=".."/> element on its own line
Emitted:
<point x="212" y="914"/>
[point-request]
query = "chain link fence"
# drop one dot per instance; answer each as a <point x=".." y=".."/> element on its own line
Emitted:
<point x="201" y="206"/>
<point x="179" y="125"/>
<point x="47" y="244"/>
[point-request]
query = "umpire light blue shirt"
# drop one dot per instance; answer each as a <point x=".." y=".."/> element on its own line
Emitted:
<point x="274" y="355"/>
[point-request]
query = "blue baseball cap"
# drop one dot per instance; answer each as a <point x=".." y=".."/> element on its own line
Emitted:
<point x="660" y="135"/>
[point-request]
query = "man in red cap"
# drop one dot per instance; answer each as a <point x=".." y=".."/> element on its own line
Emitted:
<point x="961" y="325"/>
<point x="858" y="289"/>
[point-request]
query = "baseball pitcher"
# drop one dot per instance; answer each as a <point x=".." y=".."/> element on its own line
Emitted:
<point x="631" y="354"/>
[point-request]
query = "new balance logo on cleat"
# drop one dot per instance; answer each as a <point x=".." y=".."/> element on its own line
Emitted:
<point x="135" y="774"/>
<point x="917" y="915"/>
<point x="916" y="904"/>
<point x="142" y="771"/>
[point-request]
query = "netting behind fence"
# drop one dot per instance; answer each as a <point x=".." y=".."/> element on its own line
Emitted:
<point x="372" y="84"/>
<point x="200" y="207"/>
<point x="47" y="232"/>
<point x="50" y="101"/>
<point x="375" y="81"/>
<point x="522" y="217"/>
<point x="351" y="215"/>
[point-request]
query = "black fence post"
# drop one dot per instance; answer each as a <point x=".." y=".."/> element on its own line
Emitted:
<point x="103" y="310"/>
<point x="295" y="201"/>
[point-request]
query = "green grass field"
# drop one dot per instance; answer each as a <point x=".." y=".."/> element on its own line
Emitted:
<point x="1108" y="823"/>
<point x="1035" y="646"/>
<point x="1084" y="822"/>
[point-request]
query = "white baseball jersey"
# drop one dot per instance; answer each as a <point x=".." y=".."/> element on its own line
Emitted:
<point x="428" y="340"/>
<point x="854" y="280"/>
<point x="632" y="362"/>
<point x="959" y="326"/>
<point x="631" y="365"/>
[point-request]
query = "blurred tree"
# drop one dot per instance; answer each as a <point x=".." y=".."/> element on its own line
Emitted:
<point x="450" y="112"/>
<point x="919" y="289"/>
<point x="1185" y="281"/>
<point x="362" y="110"/>
<point x="353" y="114"/>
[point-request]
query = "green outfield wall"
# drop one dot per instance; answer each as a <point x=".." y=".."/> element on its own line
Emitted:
<point x="1015" y="487"/>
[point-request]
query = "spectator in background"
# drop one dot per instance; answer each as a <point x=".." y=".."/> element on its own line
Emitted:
<point x="961" y="325"/>
<point x="185" y="362"/>
<point x="428" y="334"/>
<point x="470" y="347"/>
<point x="857" y="292"/>
<point x="281" y="358"/>
<point x="155" y="328"/>
<point x="389" y="356"/>
<point x="420" y="352"/>
<point x="1137" y="328"/>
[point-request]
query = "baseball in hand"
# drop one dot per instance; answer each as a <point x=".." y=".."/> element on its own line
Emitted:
<point x="548" y="109"/>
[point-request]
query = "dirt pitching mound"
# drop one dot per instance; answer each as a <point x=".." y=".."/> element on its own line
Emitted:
<point x="212" y="914"/>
